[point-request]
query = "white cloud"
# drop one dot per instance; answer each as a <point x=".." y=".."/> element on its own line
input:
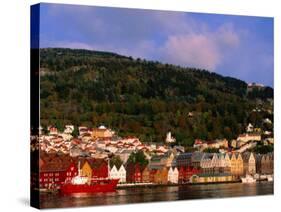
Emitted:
<point x="227" y="36"/>
<point x="202" y="47"/>
<point x="196" y="50"/>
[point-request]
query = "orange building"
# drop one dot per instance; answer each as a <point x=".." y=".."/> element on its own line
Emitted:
<point x="161" y="176"/>
<point x="146" y="175"/>
<point x="102" y="132"/>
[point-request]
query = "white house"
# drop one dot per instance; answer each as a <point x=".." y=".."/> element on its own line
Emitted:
<point x="169" y="138"/>
<point x="68" y="129"/>
<point x="250" y="128"/>
<point x="113" y="173"/>
<point x="173" y="175"/>
<point x="120" y="174"/>
<point x="227" y="161"/>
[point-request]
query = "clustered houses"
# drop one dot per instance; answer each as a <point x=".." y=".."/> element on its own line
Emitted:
<point x="56" y="169"/>
<point x="265" y="163"/>
<point x="218" y="144"/>
<point x="249" y="137"/>
<point x="60" y="153"/>
<point x="96" y="143"/>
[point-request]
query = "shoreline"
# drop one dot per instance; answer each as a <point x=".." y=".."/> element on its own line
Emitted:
<point x="124" y="186"/>
<point x="174" y="184"/>
<point x="181" y="184"/>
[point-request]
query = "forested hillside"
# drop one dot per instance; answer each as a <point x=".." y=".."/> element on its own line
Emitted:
<point x="144" y="98"/>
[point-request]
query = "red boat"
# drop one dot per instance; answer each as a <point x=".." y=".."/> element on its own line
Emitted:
<point x="83" y="184"/>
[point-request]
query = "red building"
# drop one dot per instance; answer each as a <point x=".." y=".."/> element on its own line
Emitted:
<point x="189" y="171"/>
<point x="181" y="174"/>
<point x="186" y="172"/>
<point x="100" y="168"/>
<point x="55" y="171"/>
<point x="133" y="173"/>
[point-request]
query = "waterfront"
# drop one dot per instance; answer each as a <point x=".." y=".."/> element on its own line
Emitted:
<point x="156" y="194"/>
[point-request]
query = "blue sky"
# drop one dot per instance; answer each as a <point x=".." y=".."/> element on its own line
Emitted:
<point x="236" y="46"/>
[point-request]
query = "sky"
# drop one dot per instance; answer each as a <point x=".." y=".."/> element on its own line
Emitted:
<point x="235" y="46"/>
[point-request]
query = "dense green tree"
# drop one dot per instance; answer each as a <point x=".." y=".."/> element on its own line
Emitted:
<point x="138" y="157"/>
<point x="116" y="161"/>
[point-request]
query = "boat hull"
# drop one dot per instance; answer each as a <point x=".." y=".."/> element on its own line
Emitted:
<point x="104" y="186"/>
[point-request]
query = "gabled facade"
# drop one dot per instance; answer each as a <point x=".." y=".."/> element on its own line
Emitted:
<point x="113" y="173"/>
<point x="173" y="175"/>
<point x="100" y="170"/>
<point x="122" y="174"/>
<point x="52" y="176"/>
<point x="133" y="173"/>
<point x="161" y="176"/>
<point x="236" y="163"/>
<point x="87" y="169"/>
<point x="249" y="163"/>
<point x="146" y="175"/>
<point x="267" y="164"/>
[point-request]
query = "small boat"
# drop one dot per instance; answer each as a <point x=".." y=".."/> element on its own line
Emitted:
<point x="269" y="178"/>
<point x="248" y="179"/>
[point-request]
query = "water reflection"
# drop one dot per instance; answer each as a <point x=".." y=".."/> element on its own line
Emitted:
<point x="170" y="193"/>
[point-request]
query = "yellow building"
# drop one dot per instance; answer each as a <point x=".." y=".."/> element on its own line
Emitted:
<point x="87" y="169"/>
<point x="236" y="165"/>
<point x="102" y="132"/>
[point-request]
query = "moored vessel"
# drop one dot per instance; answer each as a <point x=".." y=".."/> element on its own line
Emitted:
<point x="84" y="184"/>
<point x="248" y="179"/>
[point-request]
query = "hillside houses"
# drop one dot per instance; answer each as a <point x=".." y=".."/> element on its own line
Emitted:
<point x="202" y="145"/>
<point x="102" y="132"/>
<point x="249" y="137"/>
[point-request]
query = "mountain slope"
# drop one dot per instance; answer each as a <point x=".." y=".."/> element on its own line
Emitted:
<point x="138" y="97"/>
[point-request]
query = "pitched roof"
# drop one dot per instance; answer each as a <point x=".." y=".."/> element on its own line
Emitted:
<point x="55" y="162"/>
<point x="197" y="156"/>
<point x="184" y="156"/>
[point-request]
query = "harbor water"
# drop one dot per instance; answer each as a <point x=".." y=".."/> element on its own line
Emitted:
<point x="156" y="194"/>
